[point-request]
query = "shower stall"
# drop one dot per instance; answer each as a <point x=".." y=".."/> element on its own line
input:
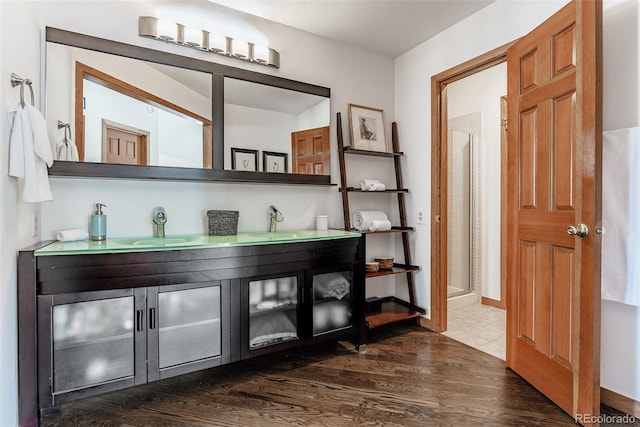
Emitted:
<point x="462" y="215"/>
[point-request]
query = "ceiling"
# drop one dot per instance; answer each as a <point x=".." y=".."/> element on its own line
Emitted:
<point x="389" y="27"/>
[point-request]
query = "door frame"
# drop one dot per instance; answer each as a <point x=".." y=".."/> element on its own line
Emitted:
<point x="439" y="187"/>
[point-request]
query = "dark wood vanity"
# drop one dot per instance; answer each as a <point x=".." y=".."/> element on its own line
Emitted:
<point x="94" y="323"/>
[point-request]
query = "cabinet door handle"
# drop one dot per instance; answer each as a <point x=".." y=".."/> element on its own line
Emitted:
<point x="139" y="320"/>
<point x="152" y="318"/>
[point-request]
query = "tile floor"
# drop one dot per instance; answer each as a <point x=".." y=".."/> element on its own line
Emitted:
<point x="479" y="326"/>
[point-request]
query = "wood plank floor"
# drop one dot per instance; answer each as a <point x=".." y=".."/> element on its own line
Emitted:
<point x="408" y="376"/>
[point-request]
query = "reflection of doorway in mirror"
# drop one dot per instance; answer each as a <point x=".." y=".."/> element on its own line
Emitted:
<point x="310" y="151"/>
<point x="122" y="144"/>
<point x="100" y="95"/>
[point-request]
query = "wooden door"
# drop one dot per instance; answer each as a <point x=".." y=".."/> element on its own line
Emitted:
<point x="124" y="145"/>
<point x="311" y="151"/>
<point x="555" y="129"/>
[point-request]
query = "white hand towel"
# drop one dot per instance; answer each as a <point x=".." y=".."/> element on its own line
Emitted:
<point x="377" y="186"/>
<point x="30" y="152"/>
<point x="362" y="219"/>
<point x="380" y="225"/>
<point x="620" y="213"/>
<point x="371" y="185"/>
<point x="72" y="234"/>
<point x="66" y="149"/>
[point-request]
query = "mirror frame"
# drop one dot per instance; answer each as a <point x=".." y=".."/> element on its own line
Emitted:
<point x="218" y="72"/>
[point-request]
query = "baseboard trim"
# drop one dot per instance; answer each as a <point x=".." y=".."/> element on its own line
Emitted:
<point x="426" y="323"/>
<point x="493" y="303"/>
<point x="621" y="403"/>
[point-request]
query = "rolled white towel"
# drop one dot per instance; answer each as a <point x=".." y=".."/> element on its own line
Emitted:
<point x="371" y="185"/>
<point x="362" y="219"/>
<point x="72" y="234"/>
<point x="378" y="186"/>
<point x="380" y="225"/>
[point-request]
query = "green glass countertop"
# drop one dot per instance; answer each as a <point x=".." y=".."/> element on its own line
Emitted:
<point x="143" y="244"/>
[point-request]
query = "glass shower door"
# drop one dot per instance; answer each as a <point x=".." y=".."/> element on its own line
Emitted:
<point x="459" y="213"/>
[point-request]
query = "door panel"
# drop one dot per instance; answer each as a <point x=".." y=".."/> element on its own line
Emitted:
<point x="554" y="133"/>
<point x="90" y="343"/>
<point x="561" y="296"/>
<point x="527" y="191"/>
<point x="185" y="328"/>
<point x="124" y="146"/>
<point x="562" y="173"/>
<point x="311" y="151"/>
<point x="271" y="315"/>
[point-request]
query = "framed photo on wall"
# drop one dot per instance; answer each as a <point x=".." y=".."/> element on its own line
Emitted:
<point x="275" y="162"/>
<point x="243" y="159"/>
<point x="366" y="126"/>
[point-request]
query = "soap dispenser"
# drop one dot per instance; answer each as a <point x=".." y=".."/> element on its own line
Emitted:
<point x="99" y="223"/>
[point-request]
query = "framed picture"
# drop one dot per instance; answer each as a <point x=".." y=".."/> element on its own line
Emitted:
<point x="243" y="159"/>
<point x="367" y="128"/>
<point x="275" y="162"/>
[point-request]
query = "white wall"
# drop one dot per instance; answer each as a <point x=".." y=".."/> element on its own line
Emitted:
<point x="620" y="344"/>
<point x="15" y="216"/>
<point x="495" y="25"/>
<point x="354" y="76"/>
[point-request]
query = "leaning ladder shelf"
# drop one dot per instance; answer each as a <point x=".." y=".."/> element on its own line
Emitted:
<point x="391" y="309"/>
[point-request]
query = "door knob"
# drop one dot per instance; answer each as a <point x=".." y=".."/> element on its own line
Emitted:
<point x="580" y="230"/>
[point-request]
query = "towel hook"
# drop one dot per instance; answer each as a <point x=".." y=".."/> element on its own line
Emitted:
<point x="62" y="124"/>
<point x="17" y="80"/>
<point x="67" y="130"/>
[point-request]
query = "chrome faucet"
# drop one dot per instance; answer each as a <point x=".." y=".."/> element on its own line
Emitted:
<point x="276" y="217"/>
<point x="159" y="219"/>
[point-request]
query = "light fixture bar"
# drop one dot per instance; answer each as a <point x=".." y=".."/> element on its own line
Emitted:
<point x="179" y="34"/>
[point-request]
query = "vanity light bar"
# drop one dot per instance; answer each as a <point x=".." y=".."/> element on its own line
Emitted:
<point x="153" y="28"/>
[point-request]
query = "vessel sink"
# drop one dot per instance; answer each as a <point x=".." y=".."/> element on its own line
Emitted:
<point x="162" y="241"/>
<point x="276" y="235"/>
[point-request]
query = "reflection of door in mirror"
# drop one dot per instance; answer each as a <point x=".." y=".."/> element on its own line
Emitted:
<point x="173" y="104"/>
<point x="124" y="145"/>
<point x="311" y="151"/>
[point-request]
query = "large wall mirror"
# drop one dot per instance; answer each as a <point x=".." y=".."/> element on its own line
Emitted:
<point x="289" y="129"/>
<point x="127" y="111"/>
<point x="133" y="112"/>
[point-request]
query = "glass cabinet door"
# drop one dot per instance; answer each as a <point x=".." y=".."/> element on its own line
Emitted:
<point x="273" y="311"/>
<point x="93" y="343"/>
<point x="188" y="325"/>
<point x="332" y="293"/>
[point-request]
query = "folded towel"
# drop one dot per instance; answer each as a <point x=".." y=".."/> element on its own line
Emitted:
<point x="72" y="234"/>
<point x="380" y="225"/>
<point x="371" y="185"/>
<point x="271" y="329"/>
<point x="362" y="219"/>
<point x="331" y="285"/>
